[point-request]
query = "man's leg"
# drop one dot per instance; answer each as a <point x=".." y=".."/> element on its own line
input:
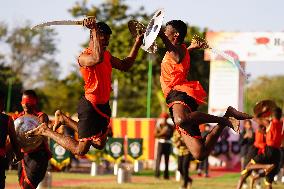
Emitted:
<point x="185" y="167"/>
<point x="158" y="160"/>
<point x="62" y="119"/>
<point x="200" y="168"/>
<point x="256" y="166"/>
<point x="180" y="164"/>
<point x="244" y="175"/>
<point x="166" y="152"/>
<point x="186" y="119"/>
<point x="199" y="149"/>
<point x="232" y="112"/>
<point x="75" y="147"/>
<point x="254" y="177"/>
<point x="206" y="167"/>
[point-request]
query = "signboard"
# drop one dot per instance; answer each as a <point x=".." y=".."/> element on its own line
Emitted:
<point x="248" y="46"/>
<point x="94" y="154"/>
<point x="115" y="147"/>
<point x="223" y="87"/>
<point x="60" y="156"/>
<point x="135" y="147"/>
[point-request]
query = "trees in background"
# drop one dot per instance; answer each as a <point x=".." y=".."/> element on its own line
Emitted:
<point x="30" y="56"/>
<point x="28" y="61"/>
<point x="265" y="88"/>
<point x="28" y="51"/>
<point x="133" y="85"/>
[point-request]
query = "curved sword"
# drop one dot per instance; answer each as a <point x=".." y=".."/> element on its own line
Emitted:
<point x="58" y="22"/>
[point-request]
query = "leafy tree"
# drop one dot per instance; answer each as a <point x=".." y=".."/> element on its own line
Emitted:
<point x="265" y="88"/>
<point x="8" y="76"/>
<point x="61" y="94"/>
<point x="133" y="85"/>
<point x="27" y="51"/>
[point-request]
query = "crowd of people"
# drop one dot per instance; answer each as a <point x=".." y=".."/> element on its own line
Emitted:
<point x="183" y="98"/>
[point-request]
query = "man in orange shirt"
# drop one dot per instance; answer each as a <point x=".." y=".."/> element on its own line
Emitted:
<point x="32" y="168"/>
<point x="183" y="97"/>
<point x="94" y="112"/>
<point x="258" y="147"/>
<point x="270" y="159"/>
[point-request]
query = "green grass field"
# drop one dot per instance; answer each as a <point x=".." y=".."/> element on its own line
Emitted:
<point x="144" y="180"/>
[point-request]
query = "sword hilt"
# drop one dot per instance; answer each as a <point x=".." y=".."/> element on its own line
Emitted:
<point x="201" y="42"/>
<point x="89" y="22"/>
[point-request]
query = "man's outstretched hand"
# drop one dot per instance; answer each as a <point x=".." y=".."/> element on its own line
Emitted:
<point x="90" y="22"/>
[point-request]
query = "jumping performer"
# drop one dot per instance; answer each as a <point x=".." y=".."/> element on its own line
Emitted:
<point x="94" y="111"/>
<point x="183" y="96"/>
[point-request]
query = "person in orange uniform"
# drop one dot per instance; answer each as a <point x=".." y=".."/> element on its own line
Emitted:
<point x="183" y="97"/>
<point x="270" y="159"/>
<point x="94" y="111"/>
<point x="32" y="168"/>
<point x="6" y="129"/>
<point x="258" y="147"/>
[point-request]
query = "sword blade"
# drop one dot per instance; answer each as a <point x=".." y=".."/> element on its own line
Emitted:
<point x="58" y="22"/>
<point x="230" y="59"/>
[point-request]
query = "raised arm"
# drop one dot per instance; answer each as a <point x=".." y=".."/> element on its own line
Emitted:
<point x="126" y="63"/>
<point x="95" y="43"/>
<point x="177" y="52"/>
<point x="169" y="46"/>
<point x="196" y="45"/>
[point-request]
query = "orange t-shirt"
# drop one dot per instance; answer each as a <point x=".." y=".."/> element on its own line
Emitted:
<point x="97" y="79"/>
<point x="259" y="140"/>
<point x="274" y="135"/>
<point x="174" y="77"/>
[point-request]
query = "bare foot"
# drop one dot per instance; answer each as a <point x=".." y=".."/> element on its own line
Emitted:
<point x="232" y="112"/>
<point x="234" y="124"/>
<point x="58" y="120"/>
<point x="37" y="131"/>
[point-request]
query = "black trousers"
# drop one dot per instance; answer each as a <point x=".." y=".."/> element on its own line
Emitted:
<point x="35" y="165"/>
<point x="271" y="156"/>
<point x="204" y="165"/>
<point x="163" y="149"/>
<point x="183" y="166"/>
<point x="3" y="165"/>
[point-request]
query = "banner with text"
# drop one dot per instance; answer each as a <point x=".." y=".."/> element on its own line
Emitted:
<point x="247" y="46"/>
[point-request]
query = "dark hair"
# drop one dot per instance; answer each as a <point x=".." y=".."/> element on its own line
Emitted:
<point x="277" y="112"/>
<point x="104" y="28"/>
<point x="180" y="27"/>
<point x="30" y="93"/>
